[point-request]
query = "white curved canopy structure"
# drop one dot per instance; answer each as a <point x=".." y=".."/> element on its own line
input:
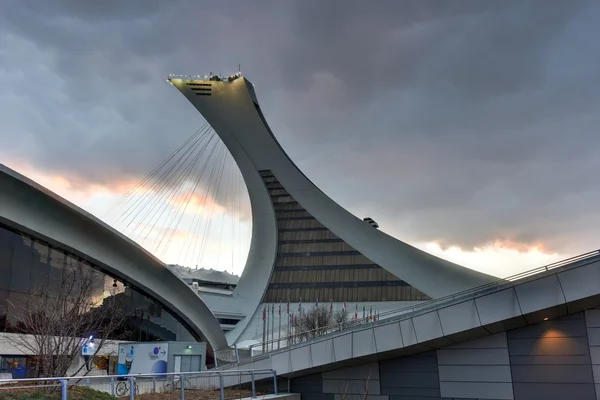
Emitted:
<point x="30" y="208"/>
<point x="231" y="107"/>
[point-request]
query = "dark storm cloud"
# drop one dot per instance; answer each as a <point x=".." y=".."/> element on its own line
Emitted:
<point x="467" y="121"/>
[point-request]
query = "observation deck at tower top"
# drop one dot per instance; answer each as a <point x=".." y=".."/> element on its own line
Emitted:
<point x="204" y="78"/>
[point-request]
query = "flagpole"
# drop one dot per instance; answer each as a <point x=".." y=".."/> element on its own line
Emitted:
<point x="273" y="327"/>
<point x="268" y="323"/>
<point x="264" y="318"/>
<point x="317" y="317"/>
<point x="279" y="330"/>
<point x="268" y="326"/>
<point x="293" y="319"/>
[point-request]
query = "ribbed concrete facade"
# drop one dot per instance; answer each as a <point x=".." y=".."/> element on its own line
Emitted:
<point x="556" y="359"/>
<point x="314" y="264"/>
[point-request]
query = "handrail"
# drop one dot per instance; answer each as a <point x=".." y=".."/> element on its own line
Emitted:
<point x="426" y="304"/>
<point x="150" y="375"/>
<point x="120" y="385"/>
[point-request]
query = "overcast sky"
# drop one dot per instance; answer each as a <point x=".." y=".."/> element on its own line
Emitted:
<point x="469" y="128"/>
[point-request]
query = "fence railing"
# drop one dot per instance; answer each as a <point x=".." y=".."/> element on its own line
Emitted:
<point x="224" y="385"/>
<point x="233" y="355"/>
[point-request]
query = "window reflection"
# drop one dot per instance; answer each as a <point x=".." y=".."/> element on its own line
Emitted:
<point x="29" y="267"/>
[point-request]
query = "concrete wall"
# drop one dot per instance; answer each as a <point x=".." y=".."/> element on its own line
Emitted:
<point x="555" y="359"/>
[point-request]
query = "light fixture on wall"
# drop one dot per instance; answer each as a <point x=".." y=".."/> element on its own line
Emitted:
<point x="189" y="347"/>
<point x="546" y="319"/>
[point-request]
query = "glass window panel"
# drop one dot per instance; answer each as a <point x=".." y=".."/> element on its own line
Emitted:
<point x="40" y="269"/>
<point x="3" y="309"/>
<point x="5" y="266"/>
<point x="17" y="366"/>
<point x="56" y="265"/>
<point x="73" y="274"/>
<point x="38" y="265"/>
<point x="110" y="289"/>
<point x="57" y="258"/>
<point x="23" y="244"/>
<point x="97" y="289"/>
<point x="7" y="238"/>
<point x="20" y="277"/>
<point x="98" y="284"/>
<point x="41" y="251"/>
<point x="17" y="304"/>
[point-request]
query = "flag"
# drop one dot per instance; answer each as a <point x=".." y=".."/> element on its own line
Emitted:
<point x="300" y="304"/>
<point x="345" y="306"/>
<point x="279" y="311"/>
<point x="264" y="316"/>
<point x="371" y="313"/>
<point x="317" y="305"/>
<point x="331" y="307"/>
<point x="273" y="309"/>
<point x="356" y="311"/>
<point x="364" y="312"/>
<point x="288" y="306"/>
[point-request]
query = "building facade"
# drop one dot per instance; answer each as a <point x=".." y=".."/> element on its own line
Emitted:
<point x="43" y="234"/>
<point x="315" y="264"/>
<point x="31" y="268"/>
<point x="555" y="359"/>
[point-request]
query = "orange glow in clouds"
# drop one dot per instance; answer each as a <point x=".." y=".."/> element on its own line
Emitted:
<point x="502" y="257"/>
<point x="197" y="204"/>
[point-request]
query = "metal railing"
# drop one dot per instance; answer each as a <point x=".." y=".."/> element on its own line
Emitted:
<point x="404" y="312"/>
<point x="222" y="385"/>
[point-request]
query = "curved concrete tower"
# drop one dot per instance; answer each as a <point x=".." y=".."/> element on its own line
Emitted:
<point x="304" y="245"/>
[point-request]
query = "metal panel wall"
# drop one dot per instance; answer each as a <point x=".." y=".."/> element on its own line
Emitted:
<point x="548" y="360"/>
<point x="310" y="387"/>
<point x="551" y="360"/>
<point x="353" y="382"/>
<point x="408" y="378"/>
<point x="592" y="321"/>
<point x="476" y="369"/>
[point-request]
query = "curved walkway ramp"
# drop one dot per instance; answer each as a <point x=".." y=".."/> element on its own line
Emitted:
<point x="568" y="288"/>
<point x="33" y="209"/>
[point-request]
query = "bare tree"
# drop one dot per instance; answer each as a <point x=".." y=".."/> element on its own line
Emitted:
<point x="55" y="322"/>
<point x="341" y="319"/>
<point x="317" y="322"/>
